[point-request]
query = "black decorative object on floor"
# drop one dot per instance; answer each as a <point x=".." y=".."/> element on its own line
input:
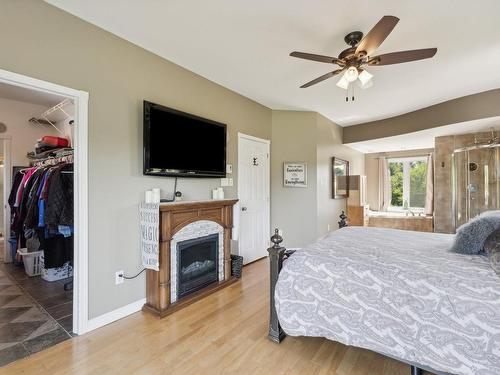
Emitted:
<point x="343" y="220"/>
<point x="236" y="265"/>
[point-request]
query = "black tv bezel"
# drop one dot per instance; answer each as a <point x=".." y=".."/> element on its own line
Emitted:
<point x="147" y="106"/>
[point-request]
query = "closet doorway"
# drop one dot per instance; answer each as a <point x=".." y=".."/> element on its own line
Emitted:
<point x="43" y="175"/>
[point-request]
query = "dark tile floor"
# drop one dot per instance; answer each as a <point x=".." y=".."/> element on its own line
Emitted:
<point x="34" y="314"/>
<point x="50" y="295"/>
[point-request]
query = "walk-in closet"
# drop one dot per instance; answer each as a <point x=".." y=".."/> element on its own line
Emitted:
<point x="37" y="220"/>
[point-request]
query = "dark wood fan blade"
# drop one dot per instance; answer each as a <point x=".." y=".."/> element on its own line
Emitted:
<point x="313" y="57"/>
<point x="322" y="78"/>
<point x="377" y="35"/>
<point x="402" y="56"/>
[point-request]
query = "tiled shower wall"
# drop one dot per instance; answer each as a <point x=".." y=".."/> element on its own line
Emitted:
<point x="443" y="197"/>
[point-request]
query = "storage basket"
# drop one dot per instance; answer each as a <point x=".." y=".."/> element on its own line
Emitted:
<point x="236" y="265"/>
<point x="54" y="274"/>
<point x="32" y="264"/>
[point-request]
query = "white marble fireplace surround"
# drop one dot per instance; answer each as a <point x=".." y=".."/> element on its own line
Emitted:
<point x="197" y="229"/>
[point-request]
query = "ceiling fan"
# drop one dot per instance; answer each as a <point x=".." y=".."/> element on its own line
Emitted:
<point x="353" y="60"/>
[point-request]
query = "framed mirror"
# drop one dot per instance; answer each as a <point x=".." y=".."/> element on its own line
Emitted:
<point x="340" y="178"/>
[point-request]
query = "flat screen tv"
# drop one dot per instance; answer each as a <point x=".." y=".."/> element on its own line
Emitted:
<point x="177" y="144"/>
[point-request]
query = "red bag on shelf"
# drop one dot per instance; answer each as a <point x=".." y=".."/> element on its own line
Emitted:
<point x="55" y="141"/>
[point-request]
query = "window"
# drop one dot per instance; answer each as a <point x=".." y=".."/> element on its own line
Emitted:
<point x="408" y="183"/>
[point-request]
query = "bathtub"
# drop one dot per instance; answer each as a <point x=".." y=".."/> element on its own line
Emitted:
<point x="399" y="220"/>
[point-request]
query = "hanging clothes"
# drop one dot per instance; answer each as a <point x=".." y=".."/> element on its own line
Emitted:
<point x="41" y="204"/>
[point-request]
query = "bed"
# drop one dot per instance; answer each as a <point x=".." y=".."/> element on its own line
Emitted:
<point x="399" y="293"/>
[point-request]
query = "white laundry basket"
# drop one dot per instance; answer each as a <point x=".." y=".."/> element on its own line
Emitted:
<point x="32" y="264"/>
<point x="54" y="274"/>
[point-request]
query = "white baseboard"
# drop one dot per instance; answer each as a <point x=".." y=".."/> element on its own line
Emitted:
<point x="114" y="315"/>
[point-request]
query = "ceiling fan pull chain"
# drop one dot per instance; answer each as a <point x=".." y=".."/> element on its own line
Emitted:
<point x="352" y="92"/>
<point x="347" y="94"/>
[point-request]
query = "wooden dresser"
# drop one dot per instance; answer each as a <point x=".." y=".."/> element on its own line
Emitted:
<point x="173" y="217"/>
<point x="357" y="209"/>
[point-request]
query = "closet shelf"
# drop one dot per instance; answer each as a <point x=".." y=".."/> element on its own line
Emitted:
<point x="57" y="113"/>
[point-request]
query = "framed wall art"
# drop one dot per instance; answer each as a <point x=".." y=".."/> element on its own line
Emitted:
<point x="294" y="174"/>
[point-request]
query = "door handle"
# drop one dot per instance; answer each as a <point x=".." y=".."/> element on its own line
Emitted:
<point x="243" y="208"/>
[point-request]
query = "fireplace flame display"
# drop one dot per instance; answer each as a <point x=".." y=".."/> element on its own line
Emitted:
<point x="197" y="268"/>
<point x="197" y="263"/>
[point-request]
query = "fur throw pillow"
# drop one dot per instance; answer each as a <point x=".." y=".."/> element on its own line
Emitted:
<point x="492" y="248"/>
<point x="470" y="237"/>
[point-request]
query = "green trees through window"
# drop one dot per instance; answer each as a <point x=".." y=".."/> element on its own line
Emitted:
<point x="408" y="182"/>
<point x="418" y="182"/>
<point x="396" y="169"/>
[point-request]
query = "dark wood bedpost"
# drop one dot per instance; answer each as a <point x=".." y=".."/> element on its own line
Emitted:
<point x="276" y="256"/>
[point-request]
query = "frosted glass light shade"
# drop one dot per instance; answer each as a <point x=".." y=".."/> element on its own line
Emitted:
<point x="365" y="77"/>
<point x="343" y="83"/>
<point x="351" y="74"/>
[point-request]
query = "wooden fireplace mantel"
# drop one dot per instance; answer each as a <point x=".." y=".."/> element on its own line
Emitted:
<point x="173" y="217"/>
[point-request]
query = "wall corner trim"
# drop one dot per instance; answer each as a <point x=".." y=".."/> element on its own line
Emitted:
<point x="114" y="315"/>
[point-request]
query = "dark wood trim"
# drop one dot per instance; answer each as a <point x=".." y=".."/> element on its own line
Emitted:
<point x="334" y="192"/>
<point x="188" y="205"/>
<point x="173" y="217"/>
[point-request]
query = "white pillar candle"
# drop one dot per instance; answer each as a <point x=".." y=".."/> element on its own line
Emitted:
<point x="220" y="193"/>
<point x="149" y="196"/>
<point x="156" y="195"/>
<point x="215" y="194"/>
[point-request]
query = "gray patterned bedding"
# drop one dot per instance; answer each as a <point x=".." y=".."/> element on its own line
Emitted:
<point x="399" y="293"/>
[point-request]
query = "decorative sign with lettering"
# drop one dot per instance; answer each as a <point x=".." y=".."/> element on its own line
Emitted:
<point x="149" y="218"/>
<point x="294" y="174"/>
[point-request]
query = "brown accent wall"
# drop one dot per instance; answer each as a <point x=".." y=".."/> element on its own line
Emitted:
<point x="467" y="108"/>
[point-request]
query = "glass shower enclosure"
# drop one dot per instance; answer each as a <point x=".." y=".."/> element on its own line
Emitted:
<point x="476" y="180"/>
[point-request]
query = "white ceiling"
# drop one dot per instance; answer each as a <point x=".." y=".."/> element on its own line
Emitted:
<point x="31" y="96"/>
<point x="425" y="138"/>
<point x="244" y="46"/>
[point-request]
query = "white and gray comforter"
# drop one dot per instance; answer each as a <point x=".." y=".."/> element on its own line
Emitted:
<point x="399" y="293"/>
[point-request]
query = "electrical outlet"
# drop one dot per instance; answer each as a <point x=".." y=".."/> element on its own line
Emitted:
<point x="119" y="277"/>
<point x="229" y="182"/>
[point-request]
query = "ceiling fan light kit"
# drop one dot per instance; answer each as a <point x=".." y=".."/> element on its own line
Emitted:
<point x="353" y="59"/>
<point x="343" y="83"/>
<point x="365" y="77"/>
<point x="351" y="74"/>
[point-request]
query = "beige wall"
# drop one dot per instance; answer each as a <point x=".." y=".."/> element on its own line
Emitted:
<point x="372" y="172"/>
<point x="304" y="214"/>
<point x="54" y="46"/>
<point x="467" y="108"/>
<point x="329" y="144"/>
<point x="41" y="41"/>
<point x="293" y="210"/>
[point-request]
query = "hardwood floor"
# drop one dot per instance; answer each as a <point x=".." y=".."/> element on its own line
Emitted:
<point x="224" y="333"/>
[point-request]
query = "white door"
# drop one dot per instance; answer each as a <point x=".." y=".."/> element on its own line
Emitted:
<point x="6" y="182"/>
<point x="253" y="193"/>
